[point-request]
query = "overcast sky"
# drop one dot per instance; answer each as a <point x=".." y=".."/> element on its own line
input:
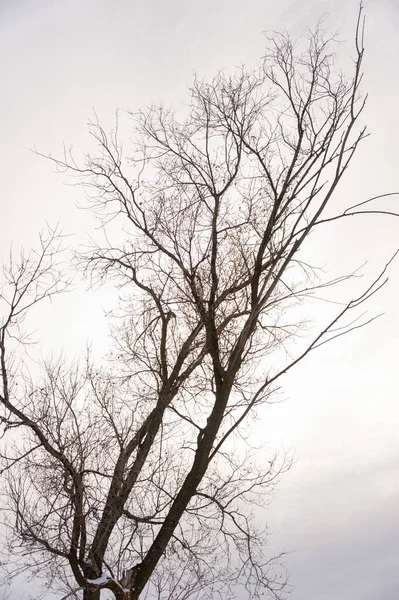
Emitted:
<point x="337" y="511"/>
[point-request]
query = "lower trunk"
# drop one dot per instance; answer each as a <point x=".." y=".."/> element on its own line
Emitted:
<point x="91" y="594"/>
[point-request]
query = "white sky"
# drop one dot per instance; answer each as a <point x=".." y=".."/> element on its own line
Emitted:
<point x="338" y="509"/>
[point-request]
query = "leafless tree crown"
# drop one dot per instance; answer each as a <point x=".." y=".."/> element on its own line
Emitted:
<point x="132" y="477"/>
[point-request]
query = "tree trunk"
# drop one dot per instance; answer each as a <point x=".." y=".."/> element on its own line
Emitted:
<point x="91" y="594"/>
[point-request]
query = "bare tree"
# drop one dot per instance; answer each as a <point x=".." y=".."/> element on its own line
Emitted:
<point x="132" y="477"/>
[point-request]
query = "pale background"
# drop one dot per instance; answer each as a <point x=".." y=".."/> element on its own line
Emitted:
<point x="337" y="511"/>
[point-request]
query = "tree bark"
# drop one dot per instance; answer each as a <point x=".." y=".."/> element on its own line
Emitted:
<point x="91" y="594"/>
